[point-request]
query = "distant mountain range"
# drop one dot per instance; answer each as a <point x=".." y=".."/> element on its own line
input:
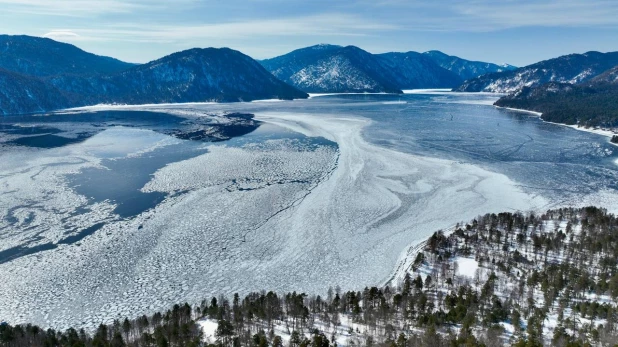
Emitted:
<point x="331" y="68"/>
<point x="466" y="69"/>
<point x="593" y="103"/>
<point x="573" y="68"/>
<point x="38" y="75"/>
<point x="37" y="56"/>
<point x="414" y="70"/>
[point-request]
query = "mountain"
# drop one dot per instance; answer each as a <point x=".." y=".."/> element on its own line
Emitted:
<point x="415" y="70"/>
<point x="194" y="75"/>
<point x="608" y="77"/>
<point x="39" y="56"/>
<point x="591" y="104"/>
<point x="334" y="69"/>
<point x="573" y="68"/>
<point x="21" y="94"/>
<point x="465" y="69"/>
<point x="331" y="68"/>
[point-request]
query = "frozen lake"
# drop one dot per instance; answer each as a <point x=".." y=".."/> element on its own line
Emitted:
<point x="129" y="210"/>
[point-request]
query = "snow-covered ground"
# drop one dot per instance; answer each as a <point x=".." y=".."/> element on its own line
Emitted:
<point x="466" y="267"/>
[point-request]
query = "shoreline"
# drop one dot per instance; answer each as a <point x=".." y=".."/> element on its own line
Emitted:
<point x="598" y="131"/>
<point x="442" y="91"/>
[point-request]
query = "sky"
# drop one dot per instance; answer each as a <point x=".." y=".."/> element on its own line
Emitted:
<point x="518" y="32"/>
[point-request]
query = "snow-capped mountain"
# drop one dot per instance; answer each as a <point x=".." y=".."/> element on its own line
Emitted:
<point x="39" y="56"/>
<point x="573" y="68"/>
<point x="329" y="68"/>
<point x="593" y="103"/>
<point x="466" y="69"/>
<point x="415" y="70"/>
<point x="21" y="94"/>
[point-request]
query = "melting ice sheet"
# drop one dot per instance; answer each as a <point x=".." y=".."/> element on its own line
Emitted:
<point x="278" y="214"/>
<point x="302" y="203"/>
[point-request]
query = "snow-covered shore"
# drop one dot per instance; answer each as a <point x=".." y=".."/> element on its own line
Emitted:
<point x="599" y="131"/>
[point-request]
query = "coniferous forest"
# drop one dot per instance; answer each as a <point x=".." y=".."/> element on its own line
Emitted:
<point x="549" y="279"/>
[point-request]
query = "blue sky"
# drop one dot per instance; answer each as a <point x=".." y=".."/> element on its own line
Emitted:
<point x="518" y="32"/>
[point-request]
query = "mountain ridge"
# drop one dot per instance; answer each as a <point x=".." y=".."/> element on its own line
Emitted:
<point x="464" y="68"/>
<point x="590" y="104"/>
<point x="194" y="75"/>
<point x="331" y="68"/>
<point x="50" y="82"/>
<point x="572" y="68"/>
<point x="39" y="56"/>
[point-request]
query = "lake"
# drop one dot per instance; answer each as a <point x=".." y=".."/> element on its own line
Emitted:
<point x="126" y="210"/>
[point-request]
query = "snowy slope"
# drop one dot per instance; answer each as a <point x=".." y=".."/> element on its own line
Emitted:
<point x="573" y="68"/>
<point x="465" y="69"/>
<point x="333" y="69"/>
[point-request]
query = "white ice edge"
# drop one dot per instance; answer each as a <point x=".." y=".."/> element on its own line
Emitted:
<point x="441" y="91"/>
<point x="598" y="131"/>
<point x="104" y="107"/>
<point x="317" y="95"/>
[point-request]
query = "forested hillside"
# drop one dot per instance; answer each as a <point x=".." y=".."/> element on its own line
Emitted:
<point x="572" y="68"/>
<point x="501" y="279"/>
<point x="38" y="56"/>
<point x="40" y="75"/>
<point x="593" y="104"/>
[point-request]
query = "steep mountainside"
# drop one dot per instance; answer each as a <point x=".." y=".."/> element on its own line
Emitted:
<point x="21" y="94"/>
<point x="330" y="68"/>
<point x="608" y="77"/>
<point x="38" y="56"/>
<point x="287" y="65"/>
<point x="194" y="75"/>
<point x="327" y="68"/>
<point x="573" y="68"/>
<point x="465" y="69"/>
<point x="189" y="76"/>
<point x="414" y="70"/>
<point x="594" y="103"/>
